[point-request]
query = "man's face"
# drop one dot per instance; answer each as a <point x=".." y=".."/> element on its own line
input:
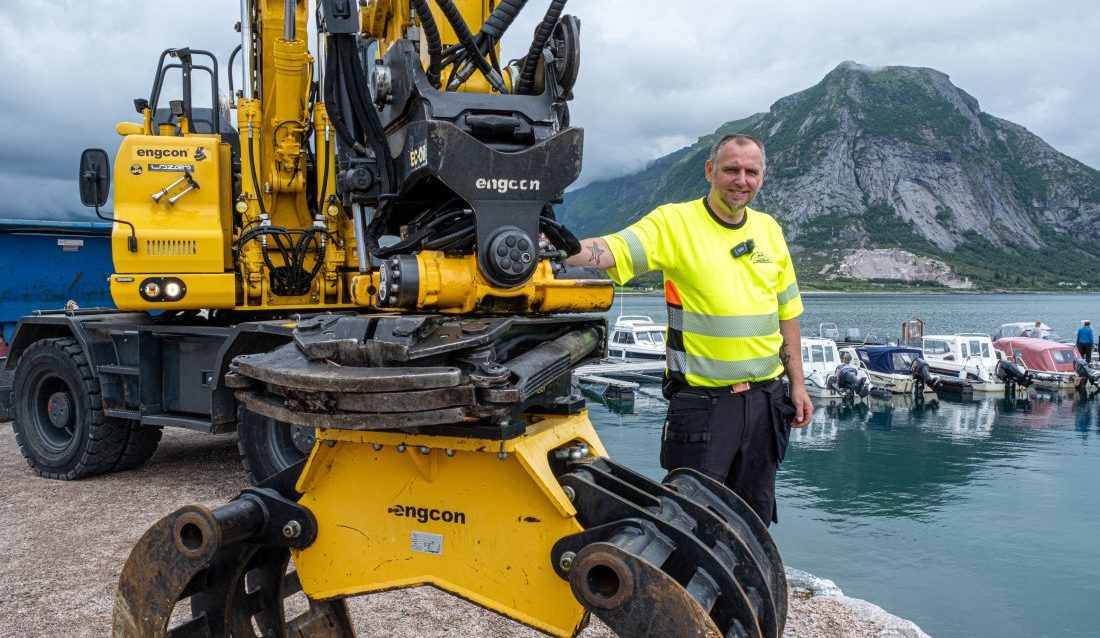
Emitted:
<point x="737" y="174"/>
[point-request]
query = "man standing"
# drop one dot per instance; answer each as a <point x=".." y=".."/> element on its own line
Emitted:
<point x="733" y="307"/>
<point x="1085" y="339"/>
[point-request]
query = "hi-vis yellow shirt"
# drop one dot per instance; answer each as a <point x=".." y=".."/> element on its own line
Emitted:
<point x="723" y="311"/>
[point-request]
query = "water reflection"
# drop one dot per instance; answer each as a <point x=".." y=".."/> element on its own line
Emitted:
<point x="901" y="457"/>
<point x="879" y="457"/>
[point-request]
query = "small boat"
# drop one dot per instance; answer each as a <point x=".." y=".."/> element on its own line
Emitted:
<point x="890" y="367"/>
<point x="969" y="356"/>
<point x="1052" y="360"/>
<point x="636" y="338"/>
<point x="1026" y="329"/>
<point x="820" y="361"/>
<point x="850" y="336"/>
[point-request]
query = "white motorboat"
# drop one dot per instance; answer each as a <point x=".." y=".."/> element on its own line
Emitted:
<point x="1026" y="329"/>
<point x="635" y="338"/>
<point x="889" y="367"/>
<point x="820" y="360"/>
<point x="967" y="356"/>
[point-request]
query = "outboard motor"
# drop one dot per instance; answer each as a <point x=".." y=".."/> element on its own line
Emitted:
<point x="848" y="382"/>
<point x="1012" y="375"/>
<point x="922" y="376"/>
<point x="1086" y="374"/>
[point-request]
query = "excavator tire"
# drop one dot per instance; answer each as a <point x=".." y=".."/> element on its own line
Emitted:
<point x="59" y="422"/>
<point x="268" y="446"/>
<point x="141" y="442"/>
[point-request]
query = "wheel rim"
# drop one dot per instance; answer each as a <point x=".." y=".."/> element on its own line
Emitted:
<point x="303" y="438"/>
<point x="54" y="412"/>
<point x="292" y="442"/>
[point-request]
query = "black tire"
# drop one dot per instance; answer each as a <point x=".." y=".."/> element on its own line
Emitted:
<point x="141" y="442"/>
<point x="268" y="447"/>
<point x="59" y="423"/>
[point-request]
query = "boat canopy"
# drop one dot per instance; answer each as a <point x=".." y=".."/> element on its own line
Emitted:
<point x="888" y="359"/>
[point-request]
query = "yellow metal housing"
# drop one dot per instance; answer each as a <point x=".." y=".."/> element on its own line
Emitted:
<point x="453" y="284"/>
<point x="472" y="517"/>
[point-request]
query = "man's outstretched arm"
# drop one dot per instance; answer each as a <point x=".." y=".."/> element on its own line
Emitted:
<point x="594" y="254"/>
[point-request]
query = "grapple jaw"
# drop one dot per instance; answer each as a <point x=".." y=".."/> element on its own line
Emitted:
<point x="509" y="502"/>
<point x="228" y="568"/>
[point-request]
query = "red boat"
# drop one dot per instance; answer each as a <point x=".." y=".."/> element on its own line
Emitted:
<point x="1041" y="355"/>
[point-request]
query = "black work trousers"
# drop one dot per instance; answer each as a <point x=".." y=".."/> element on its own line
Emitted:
<point x="1086" y="351"/>
<point x="737" y="439"/>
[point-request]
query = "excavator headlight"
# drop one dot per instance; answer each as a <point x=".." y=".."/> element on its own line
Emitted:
<point x="162" y="289"/>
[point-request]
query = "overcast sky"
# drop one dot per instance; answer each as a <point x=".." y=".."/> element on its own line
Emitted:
<point x="655" y="75"/>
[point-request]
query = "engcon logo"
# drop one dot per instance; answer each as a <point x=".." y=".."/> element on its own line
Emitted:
<point x="424" y="514"/>
<point x="161" y="153"/>
<point x="505" y="185"/>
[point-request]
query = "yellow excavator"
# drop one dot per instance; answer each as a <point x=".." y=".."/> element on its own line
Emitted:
<point x="368" y="265"/>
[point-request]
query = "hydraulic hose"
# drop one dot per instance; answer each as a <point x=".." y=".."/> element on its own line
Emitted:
<point x="435" y="44"/>
<point x="490" y="33"/>
<point x="367" y="119"/>
<point x="538" y="45"/>
<point x="501" y="18"/>
<point x="454" y="17"/>
<point x="332" y="100"/>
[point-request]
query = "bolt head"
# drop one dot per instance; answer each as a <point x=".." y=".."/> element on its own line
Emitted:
<point x="401" y="447"/>
<point x="566" y="561"/>
<point x="376" y="446"/>
<point x="293" y="529"/>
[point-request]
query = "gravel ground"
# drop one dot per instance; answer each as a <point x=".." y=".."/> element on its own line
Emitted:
<point x="65" y="543"/>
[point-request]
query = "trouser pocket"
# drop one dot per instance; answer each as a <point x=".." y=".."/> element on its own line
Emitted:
<point x="686" y="434"/>
<point x="783" y="411"/>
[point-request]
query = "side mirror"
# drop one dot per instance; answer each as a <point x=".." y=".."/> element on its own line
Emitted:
<point x="95" y="177"/>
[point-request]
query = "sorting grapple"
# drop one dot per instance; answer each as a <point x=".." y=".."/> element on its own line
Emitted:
<point x="450" y="452"/>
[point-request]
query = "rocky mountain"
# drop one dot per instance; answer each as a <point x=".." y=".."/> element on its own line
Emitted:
<point x="892" y="175"/>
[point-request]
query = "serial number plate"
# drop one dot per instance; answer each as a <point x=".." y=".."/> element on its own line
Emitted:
<point x="425" y="543"/>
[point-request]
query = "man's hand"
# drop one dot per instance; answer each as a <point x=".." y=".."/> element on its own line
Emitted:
<point x="804" y="409"/>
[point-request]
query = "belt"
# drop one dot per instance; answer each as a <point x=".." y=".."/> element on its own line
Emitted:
<point x="736" y="388"/>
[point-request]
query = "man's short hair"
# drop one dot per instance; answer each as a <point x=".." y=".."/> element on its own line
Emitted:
<point x="740" y="139"/>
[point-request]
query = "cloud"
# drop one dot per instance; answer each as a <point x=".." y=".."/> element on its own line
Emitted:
<point x="654" y="75"/>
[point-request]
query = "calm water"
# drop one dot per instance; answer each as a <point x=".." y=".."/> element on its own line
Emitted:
<point x="969" y="517"/>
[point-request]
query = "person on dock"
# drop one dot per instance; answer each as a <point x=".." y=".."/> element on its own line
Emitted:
<point x="733" y="307"/>
<point x="1085" y="339"/>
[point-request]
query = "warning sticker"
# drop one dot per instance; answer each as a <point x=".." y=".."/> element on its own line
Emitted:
<point x="70" y="245"/>
<point x="425" y="543"/>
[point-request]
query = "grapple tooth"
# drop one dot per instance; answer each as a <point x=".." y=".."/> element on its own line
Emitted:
<point x="743" y="520"/>
<point x="635" y="598"/>
<point x="159" y="569"/>
<point x="713" y="534"/>
<point x="235" y="586"/>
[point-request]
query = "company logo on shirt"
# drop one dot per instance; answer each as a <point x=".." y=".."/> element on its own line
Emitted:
<point x="761" y="257"/>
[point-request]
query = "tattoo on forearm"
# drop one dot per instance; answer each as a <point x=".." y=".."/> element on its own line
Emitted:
<point x="596" y="251"/>
<point x="784" y="355"/>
